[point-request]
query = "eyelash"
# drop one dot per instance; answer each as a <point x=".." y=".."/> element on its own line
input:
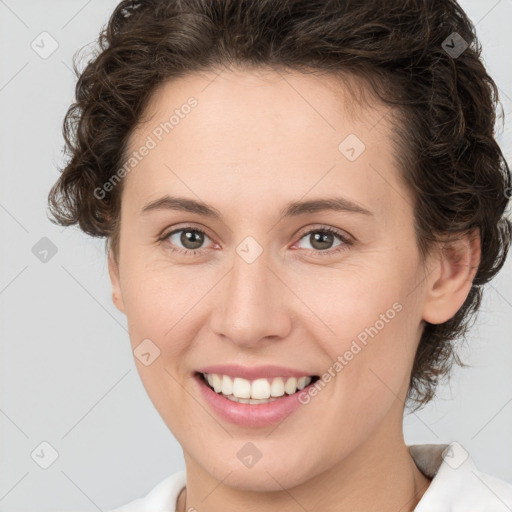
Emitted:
<point x="194" y="252"/>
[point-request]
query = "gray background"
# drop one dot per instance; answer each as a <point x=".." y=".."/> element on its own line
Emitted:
<point x="67" y="374"/>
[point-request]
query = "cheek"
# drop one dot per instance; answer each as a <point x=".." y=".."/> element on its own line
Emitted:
<point x="351" y="303"/>
<point x="158" y="298"/>
<point x="158" y="305"/>
<point x="367" y="326"/>
<point x="371" y="363"/>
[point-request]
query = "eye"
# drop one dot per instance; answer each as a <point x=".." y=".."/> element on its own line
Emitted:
<point x="321" y="240"/>
<point x="190" y="238"/>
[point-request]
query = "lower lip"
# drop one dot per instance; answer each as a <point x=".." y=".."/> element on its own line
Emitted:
<point x="250" y="415"/>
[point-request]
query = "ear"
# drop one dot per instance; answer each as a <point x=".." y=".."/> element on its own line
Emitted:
<point x="452" y="278"/>
<point x="113" y="271"/>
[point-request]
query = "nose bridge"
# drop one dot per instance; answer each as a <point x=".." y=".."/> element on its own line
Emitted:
<point x="251" y="302"/>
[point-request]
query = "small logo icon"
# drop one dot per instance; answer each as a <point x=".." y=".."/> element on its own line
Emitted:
<point x="454" y="45"/>
<point x="44" y="250"/>
<point x="146" y="352"/>
<point x="249" y="455"/>
<point x="351" y="147"/>
<point x="45" y="455"/>
<point x="44" y="45"/>
<point x="249" y="250"/>
<point x="455" y="455"/>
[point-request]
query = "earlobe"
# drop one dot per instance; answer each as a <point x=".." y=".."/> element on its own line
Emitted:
<point x="113" y="271"/>
<point x="452" y="280"/>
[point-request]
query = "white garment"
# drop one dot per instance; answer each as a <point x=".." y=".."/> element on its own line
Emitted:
<point x="456" y="486"/>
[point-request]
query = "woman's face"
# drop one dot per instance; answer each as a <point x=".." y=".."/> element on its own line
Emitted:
<point x="260" y="290"/>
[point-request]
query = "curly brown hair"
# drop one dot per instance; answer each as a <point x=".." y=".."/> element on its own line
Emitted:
<point x="446" y="103"/>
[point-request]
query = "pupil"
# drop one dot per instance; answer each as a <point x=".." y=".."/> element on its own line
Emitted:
<point x="322" y="238"/>
<point x="193" y="237"/>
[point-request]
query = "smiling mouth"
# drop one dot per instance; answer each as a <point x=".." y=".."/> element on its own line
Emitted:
<point x="257" y="391"/>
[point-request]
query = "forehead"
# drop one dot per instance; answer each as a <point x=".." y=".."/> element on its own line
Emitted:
<point x="241" y="130"/>
<point x="323" y="101"/>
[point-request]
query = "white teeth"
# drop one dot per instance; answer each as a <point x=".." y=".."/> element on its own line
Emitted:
<point x="227" y="385"/>
<point x="291" y="385"/>
<point x="260" y="388"/>
<point x="258" y="391"/>
<point x="250" y="400"/>
<point x="217" y="383"/>
<point x="301" y="382"/>
<point x="277" y="387"/>
<point x="241" y="388"/>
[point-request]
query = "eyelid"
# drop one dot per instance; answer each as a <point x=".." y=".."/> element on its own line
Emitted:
<point x="325" y="227"/>
<point x="179" y="227"/>
<point x="346" y="239"/>
<point x="317" y="227"/>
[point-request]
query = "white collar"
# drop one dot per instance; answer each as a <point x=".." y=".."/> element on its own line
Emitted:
<point x="457" y="485"/>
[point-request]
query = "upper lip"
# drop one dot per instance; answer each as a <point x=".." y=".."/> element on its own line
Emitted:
<point x="254" y="372"/>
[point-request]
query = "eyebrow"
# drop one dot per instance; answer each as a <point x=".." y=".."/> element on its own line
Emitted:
<point x="292" y="209"/>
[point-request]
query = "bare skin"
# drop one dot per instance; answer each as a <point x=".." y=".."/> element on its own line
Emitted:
<point x="254" y="142"/>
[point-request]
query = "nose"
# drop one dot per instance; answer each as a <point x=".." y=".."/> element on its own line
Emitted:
<point x="252" y="304"/>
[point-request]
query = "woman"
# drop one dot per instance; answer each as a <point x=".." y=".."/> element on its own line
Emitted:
<point x="302" y="200"/>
